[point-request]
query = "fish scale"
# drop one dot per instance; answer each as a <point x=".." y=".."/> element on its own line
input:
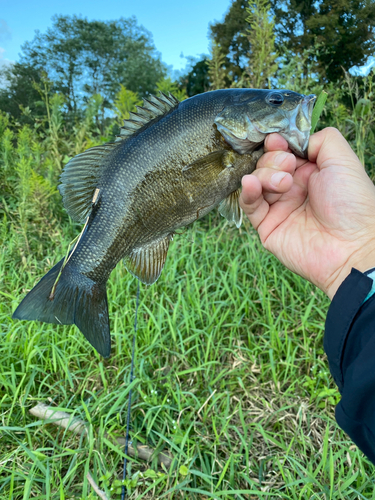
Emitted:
<point x="127" y="177"/>
<point x="171" y="164"/>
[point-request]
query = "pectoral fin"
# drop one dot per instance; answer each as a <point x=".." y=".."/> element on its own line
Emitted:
<point x="147" y="262"/>
<point x="212" y="164"/>
<point x="230" y="208"/>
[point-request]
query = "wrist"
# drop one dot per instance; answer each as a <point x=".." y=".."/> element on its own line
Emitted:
<point x="362" y="260"/>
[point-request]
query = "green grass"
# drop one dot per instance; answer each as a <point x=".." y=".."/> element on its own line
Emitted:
<point x="231" y="379"/>
<point x="317" y="111"/>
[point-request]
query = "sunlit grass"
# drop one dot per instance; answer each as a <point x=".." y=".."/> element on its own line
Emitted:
<point x="231" y="377"/>
<point x="231" y="380"/>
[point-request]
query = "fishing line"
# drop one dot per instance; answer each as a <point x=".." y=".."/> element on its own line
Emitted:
<point x="123" y="490"/>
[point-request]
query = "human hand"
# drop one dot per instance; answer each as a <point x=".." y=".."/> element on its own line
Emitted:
<point x="317" y="216"/>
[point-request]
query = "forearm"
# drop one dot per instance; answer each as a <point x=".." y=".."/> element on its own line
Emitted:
<point x="350" y="346"/>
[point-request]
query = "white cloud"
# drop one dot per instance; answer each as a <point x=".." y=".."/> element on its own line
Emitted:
<point x="4" y="62"/>
<point x="5" y="31"/>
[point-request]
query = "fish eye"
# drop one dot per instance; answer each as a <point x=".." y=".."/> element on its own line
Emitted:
<point x="275" y="98"/>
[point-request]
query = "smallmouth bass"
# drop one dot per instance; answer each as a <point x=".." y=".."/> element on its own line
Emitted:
<point x="171" y="164"/>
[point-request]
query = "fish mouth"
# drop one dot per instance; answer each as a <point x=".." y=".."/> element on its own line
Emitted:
<point x="244" y="128"/>
<point x="300" y="125"/>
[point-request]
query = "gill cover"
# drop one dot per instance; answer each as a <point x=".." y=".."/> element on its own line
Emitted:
<point x="245" y="125"/>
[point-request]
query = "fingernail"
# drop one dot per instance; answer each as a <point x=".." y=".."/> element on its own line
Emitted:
<point x="277" y="178"/>
<point x="280" y="158"/>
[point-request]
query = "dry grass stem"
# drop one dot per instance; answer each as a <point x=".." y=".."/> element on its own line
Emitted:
<point x="64" y="420"/>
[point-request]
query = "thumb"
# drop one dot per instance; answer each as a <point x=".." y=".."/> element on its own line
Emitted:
<point x="328" y="148"/>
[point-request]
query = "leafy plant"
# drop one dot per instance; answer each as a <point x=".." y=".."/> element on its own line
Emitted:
<point x="124" y="103"/>
<point x="262" y="60"/>
<point x="216" y="69"/>
<point x="166" y="85"/>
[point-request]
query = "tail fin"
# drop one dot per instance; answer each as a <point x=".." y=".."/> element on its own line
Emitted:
<point x="76" y="300"/>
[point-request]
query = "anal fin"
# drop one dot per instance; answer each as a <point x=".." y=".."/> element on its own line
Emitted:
<point x="230" y="208"/>
<point x="147" y="262"/>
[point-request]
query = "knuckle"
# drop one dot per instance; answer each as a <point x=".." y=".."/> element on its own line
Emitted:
<point x="332" y="132"/>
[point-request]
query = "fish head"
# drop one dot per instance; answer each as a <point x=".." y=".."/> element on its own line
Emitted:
<point x="245" y="124"/>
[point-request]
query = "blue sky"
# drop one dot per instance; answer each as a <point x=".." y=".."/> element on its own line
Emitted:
<point x="177" y="27"/>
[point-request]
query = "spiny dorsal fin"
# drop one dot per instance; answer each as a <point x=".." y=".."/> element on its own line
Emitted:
<point x="147" y="262"/>
<point x="153" y="107"/>
<point x="82" y="173"/>
<point x="80" y="178"/>
<point x="230" y="208"/>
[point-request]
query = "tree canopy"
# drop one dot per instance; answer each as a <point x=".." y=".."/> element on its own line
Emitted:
<point x="196" y="80"/>
<point x="257" y="43"/>
<point x="83" y="58"/>
<point x="20" y="93"/>
<point x="345" y="29"/>
<point x="229" y="36"/>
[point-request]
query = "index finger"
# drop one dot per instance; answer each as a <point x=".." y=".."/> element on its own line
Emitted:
<point x="274" y="142"/>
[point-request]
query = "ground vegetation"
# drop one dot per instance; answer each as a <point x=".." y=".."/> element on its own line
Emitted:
<point x="231" y="377"/>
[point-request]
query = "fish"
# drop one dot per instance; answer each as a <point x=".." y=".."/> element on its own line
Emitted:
<point x="172" y="163"/>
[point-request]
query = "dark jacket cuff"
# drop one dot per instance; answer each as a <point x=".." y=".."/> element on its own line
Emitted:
<point x="349" y="342"/>
<point x="344" y="308"/>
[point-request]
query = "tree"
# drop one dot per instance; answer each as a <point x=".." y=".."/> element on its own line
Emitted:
<point x="19" y="96"/>
<point x="344" y="27"/>
<point x="86" y="57"/>
<point x="196" y="80"/>
<point x="229" y="36"/>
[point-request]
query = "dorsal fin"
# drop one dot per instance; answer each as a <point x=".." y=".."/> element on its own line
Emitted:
<point x="82" y="173"/>
<point x="80" y="178"/>
<point x="153" y="107"/>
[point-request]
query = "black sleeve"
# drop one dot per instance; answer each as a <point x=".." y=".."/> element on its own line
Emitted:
<point x="349" y="342"/>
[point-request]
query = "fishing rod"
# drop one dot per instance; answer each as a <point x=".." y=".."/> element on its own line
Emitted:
<point x="123" y="489"/>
